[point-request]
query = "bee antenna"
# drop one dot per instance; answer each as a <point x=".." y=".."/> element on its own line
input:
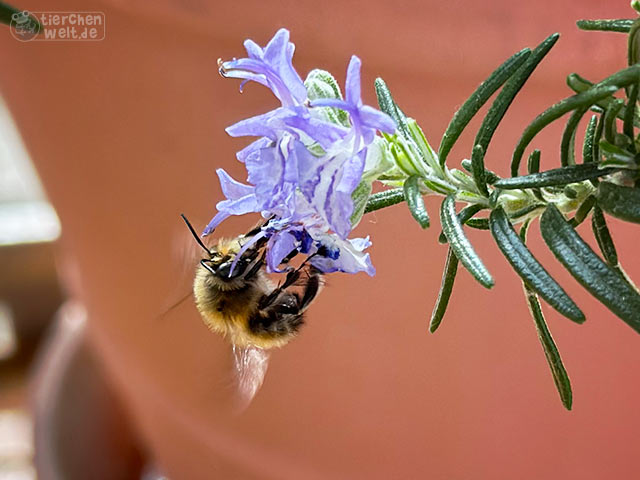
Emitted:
<point x="195" y="235"/>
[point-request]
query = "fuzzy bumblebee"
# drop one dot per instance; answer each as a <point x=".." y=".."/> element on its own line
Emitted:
<point x="241" y="303"/>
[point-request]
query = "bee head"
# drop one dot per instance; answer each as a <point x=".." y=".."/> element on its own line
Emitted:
<point x="223" y="261"/>
<point x="223" y="266"/>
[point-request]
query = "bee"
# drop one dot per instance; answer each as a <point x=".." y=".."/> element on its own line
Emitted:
<point x="237" y="299"/>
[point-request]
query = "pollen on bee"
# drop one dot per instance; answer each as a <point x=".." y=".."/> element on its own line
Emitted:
<point x="228" y="247"/>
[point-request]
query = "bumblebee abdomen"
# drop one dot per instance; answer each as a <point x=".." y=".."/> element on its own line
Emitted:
<point x="273" y="327"/>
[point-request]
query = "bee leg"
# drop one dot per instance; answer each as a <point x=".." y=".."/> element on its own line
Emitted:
<point x="255" y="230"/>
<point x="291" y="256"/>
<point x="280" y="314"/>
<point x="256" y="267"/>
<point x="282" y="318"/>
<point x="311" y="289"/>
<point x="267" y="300"/>
<point x="292" y="277"/>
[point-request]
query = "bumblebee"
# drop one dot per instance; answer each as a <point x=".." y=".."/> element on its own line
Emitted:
<point x="238" y="300"/>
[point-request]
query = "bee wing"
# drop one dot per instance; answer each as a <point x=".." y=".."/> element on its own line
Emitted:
<point x="183" y="257"/>
<point x="251" y="365"/>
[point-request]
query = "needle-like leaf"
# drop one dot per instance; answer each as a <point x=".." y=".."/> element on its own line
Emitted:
<point x="508" y="93"/>
<point x="386" y="198"/>
<point x="589" y="136"/>
<point x="560" y="377"/>
<point x="477" y="99"/>
<point x="460" y="244"/>
<point x="603" y="237"/>
<point x="529" y="269"/>
<point x="567" y="144"/>
<point x="464" y="216"/>
<point x="477" y="169"/>
<point x="583" y="210"/>
<point x="489" y="176"/>
<point x="604" y="283"/>
<point x="580" y="84"/>
<point x="621" y="25"/>
<point x="390" y="107"/>
<point x="610" y="114"/>
<point x="584" y="99"/>
<point x="414" y="200"/>
<point x="621" y="202"/>
<point x="630" y="114"/>
<point x="448" y="279"/>
<point x="557" y="176"/>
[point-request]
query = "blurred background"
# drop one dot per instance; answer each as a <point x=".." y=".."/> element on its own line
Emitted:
<point x="126" y="133"/>
<point x="29" y="291"/>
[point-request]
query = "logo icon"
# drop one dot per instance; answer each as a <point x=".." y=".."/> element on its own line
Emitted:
<point x="23" y="26"/>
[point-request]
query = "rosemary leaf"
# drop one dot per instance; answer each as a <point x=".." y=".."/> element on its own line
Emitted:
<point x="460" y="244"/>
<point x="620" y="25"/>
<point x="510" y="90"/>
<point x="448" y="279"/>
<point x="414" y="200"/>
<point x="621" y="202"/>
<point x="560" y="377"/>
<point x="477" y="169"/>
<point x="557" y="176"/>
<point x="604" y="283"/>
<point x="528" y="268"/>
<point x="587" y="145"/>
<point x="384" y="199"/>
<point x="477" y="99"/>
<point x="603" y="237"/>
<point x="584" y="99"/>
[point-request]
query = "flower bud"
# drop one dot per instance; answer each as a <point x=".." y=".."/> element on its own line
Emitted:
<point x="321" y="84"/>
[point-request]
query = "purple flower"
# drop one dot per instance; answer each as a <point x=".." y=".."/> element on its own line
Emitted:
<point x="327" y="252"/>
<point x="365" y="119"/>
<point x="270" y="67"/>
<point x="328" y="182"/>
<point x="295" y="121"/>
<point x="241" y="199"/>
<point x="303" y="169"/>
<point x="351" y="257"/>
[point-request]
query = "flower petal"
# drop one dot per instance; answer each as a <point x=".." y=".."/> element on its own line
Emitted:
<point x="352" y="84"/>
<point x="240" y="206"/>
<point x="213" y="224"/>
<point x="279" y="246"/>
<point x="351" y="258"/>
<point x="372" y="118"/>
<point x="253" y="148"/>
<point x="292" y="120"/>
<point x="231" y="188"/>
<point x="241" y="199"/>
<point x="272" y="67"/>
<point x="253" y="49"/>
<point x="258" y="126"/>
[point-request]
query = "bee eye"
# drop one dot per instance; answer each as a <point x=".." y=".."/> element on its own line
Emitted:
<point x="224" y="269"/>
